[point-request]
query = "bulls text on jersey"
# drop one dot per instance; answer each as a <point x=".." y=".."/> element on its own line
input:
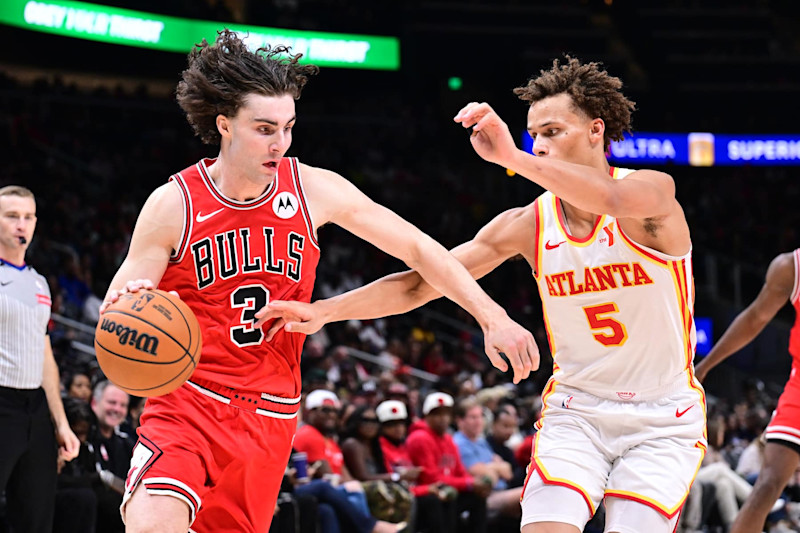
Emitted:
<point x="229" y="254"/>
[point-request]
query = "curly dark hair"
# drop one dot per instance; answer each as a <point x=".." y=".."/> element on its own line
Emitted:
<point x="593" y="91"/>
<point x="220" y="76"/>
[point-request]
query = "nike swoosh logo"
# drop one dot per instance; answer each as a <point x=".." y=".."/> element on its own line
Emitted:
<point x="202" y="218"/>
<point x="549" y="246"/>
<point x="679" y="413"/>
<point x="4" y="283"/>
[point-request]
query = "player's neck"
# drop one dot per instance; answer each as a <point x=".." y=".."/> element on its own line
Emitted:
<point x="234" y="183"/>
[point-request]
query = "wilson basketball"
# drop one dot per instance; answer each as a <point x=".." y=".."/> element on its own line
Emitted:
<point x="148" y="343"/>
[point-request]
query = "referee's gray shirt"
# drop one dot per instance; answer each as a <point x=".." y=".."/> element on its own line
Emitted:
<point x="24" y="314"/>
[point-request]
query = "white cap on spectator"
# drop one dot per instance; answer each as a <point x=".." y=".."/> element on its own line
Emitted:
<point x="322" y="398"/>
<point x="435" y="400"/>
<point x="391" y="410"/>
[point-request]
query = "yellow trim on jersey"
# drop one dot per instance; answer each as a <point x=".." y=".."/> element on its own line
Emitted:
<point x="581" y="243"/>
<point x="539" y="238"/>
<point x="678" y="273"/>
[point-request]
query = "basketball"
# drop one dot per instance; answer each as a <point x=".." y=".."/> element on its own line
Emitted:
<point x="148" y="343"/>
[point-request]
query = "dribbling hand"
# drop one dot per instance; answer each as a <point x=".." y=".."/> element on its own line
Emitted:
<point x="131" y="286"/>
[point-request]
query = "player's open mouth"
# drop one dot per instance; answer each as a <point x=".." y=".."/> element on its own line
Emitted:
<point x="272" y="165"/>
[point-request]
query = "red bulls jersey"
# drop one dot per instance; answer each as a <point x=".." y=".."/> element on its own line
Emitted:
<point x="794" y="338"/>
<point x="234" y="257"/>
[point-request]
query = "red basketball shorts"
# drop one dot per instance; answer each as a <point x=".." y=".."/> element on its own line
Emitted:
<point x="785" y="423"/>
<point x="225" y="462"/>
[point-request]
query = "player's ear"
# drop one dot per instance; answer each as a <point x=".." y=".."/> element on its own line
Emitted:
<point x="223" y="125"/>
<point x="597" y="130"/>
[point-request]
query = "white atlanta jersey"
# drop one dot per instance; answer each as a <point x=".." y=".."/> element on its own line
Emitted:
<point x="618" y="315"/>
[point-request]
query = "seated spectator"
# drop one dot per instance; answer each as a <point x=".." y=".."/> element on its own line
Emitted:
<point x="325" y="509"/>
<point x="113" y="451"/>
<point x="435" y="508"/>
<point x="481" y="461"/>
<point x="317" y="438"/>
<point x="76" y="502"/>
<point x="477" y="455"/>
<point x="79" y="386"/>
<point x="431" y="447"/>
<point x="505" y="423"/>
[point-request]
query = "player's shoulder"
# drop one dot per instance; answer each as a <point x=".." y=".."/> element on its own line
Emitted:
<point x="166" y="198"/>
<point x="784" y="263"/>
<point x="645" y="174"/>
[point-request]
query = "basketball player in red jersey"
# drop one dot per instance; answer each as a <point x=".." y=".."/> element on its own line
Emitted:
<point x="782" y="452"/>
<point x="228" y="234"/>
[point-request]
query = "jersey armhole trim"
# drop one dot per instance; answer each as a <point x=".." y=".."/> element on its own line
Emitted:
<point x="537" y="242"/>
<point x="301" y="193"/>
<point x="186" y="231"/>
<point x="796" y="289"/>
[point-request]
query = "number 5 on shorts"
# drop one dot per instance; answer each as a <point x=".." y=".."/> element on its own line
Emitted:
<point x="594" y="314"/>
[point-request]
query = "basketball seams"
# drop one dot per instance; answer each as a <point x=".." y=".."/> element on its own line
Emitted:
<point x="129" y="363"/>
<point x="149" y="324"/>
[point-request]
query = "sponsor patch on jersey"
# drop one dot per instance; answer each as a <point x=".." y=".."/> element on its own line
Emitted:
<point x="285" y="205"/>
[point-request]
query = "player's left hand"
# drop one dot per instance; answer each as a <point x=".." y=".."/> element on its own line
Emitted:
<point x="507" y="337"/>
<point x="68" y="443"/>
<point x="490" y="137"/>
<point x="295" y="317"/>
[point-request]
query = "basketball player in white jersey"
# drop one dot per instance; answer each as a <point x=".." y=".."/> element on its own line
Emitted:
<point x="623" y="417"/>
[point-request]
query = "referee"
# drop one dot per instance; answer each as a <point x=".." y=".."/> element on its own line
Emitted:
<point x="29" y="386"/>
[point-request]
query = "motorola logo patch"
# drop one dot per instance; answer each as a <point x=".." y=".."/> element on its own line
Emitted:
<point x="285" y="205"/>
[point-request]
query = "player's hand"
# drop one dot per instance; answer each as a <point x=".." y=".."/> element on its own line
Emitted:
<point x="295" y="317"/>
<point x="507" y="337"/>
<point x="131" y="286"/>
<point x="490" y="136"/>
<point x="68" y="443"/>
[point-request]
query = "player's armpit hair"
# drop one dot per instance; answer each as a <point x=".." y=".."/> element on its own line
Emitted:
<point x="593" y="90"/>
<point x="220" y="75"/>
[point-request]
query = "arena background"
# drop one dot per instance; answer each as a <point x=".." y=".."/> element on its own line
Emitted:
<point x="92" y="129"/>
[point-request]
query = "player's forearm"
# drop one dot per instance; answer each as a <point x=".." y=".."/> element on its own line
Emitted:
<point x="447" y="275"/>
<point x="576" y="184"/>
<point x="739" y="334"/>
<point x="391" y="295"/>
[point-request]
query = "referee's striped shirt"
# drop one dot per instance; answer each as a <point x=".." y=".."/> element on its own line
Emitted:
<point x="24" y="313"/>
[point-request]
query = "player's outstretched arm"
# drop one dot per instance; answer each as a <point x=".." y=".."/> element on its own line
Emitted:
<point x="774" y="294"/>
<point x="157" y="230"/>
<point x="334" y="199"/>
<point x="505" y="236"/>
<point x="643" y="194"/>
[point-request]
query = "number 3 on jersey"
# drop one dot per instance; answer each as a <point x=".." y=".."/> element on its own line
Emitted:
<point x="594" y="314"/>
<point x="250" y="298"/>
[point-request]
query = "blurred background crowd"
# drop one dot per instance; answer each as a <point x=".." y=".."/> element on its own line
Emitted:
<point x="92" y="129"/>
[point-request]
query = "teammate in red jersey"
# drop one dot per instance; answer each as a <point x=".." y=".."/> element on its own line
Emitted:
<point x="228" y="234"/>
<point x="782" y="452"/>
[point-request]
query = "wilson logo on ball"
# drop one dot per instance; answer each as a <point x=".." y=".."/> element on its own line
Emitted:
<point x="141" y="341"/>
